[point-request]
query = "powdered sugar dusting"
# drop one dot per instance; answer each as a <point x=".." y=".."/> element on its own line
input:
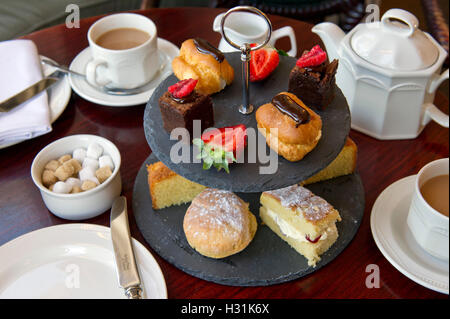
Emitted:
<point x="219" y="209"/>
<point x="299" y="198"/>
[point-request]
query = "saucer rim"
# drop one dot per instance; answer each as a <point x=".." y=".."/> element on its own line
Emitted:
<point x="120" y="101"/>
<point x="388" y="251"/>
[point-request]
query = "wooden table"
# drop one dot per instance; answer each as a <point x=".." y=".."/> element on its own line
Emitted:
<point x="380" y="163"/>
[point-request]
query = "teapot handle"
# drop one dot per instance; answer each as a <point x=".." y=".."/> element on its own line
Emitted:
<point x="403" y="16"/>
<point x="431" y="111"/>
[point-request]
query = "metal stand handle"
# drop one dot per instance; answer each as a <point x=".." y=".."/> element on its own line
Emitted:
<point x="246" y="107"/>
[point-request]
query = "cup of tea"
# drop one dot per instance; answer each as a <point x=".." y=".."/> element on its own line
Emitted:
<point x="428" y="213"/>
<point x="124" y="51"/>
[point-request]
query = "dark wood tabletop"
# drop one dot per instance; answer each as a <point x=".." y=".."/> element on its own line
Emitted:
<point x="380" y="163"/>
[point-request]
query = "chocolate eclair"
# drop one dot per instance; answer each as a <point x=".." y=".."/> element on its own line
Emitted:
<point x="290" y="127"/>
<point x="200" y="60"/>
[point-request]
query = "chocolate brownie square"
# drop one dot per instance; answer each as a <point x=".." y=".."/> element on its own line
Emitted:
<point x="182" y="112"/>
<point x="315" y="86"/>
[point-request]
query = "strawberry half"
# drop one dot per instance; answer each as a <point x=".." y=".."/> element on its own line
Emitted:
<point x="182" y="88"/>
<point x="312" y="58"/>
<point x="220" y="147"/>
<point x="262" y="63"/>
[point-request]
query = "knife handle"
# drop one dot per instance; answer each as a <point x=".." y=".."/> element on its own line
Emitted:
<point x="133" y="292"/>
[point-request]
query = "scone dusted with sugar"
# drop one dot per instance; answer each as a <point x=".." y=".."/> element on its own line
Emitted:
<point x="305" y="221"/>
<point x="219" y="224"/>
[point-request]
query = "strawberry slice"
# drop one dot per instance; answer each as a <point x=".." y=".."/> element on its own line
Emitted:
<point x="262" y="62"/>
<point x="183" y="88"/>
<point x="312" y="58"/>
<point x="220" y="147"/>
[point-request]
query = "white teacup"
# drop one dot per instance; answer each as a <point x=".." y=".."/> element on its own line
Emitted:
<point x="247" y="27"/>
<point x="427" y="225"/>
<point x="126" y="69"/>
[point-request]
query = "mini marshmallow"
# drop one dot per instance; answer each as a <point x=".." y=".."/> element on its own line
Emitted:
<point x="94" y="150"/>
<point x="86" y="173"/>
<point x="106" y="160"/>
<point x="91" y="163"/>
<point x="73" y="182"/>
<point x="79" y="154"/>
<point x="62" y="188"/>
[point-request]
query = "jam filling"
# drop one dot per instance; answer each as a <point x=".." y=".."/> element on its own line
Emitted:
<point x="313" y="241"/>
<point x="289" y="107"/>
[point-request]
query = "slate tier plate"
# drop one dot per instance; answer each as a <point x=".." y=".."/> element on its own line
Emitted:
<point x="268" y="259"/>
<point x="246" y="177"/>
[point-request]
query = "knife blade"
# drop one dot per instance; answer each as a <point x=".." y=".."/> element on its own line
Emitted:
<point x="17" y="99"/>
<point x="127" y="271"/>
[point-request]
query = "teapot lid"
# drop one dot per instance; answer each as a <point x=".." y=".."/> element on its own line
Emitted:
<point x="395" y="43"/>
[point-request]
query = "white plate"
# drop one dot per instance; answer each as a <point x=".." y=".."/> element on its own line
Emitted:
<point x="58" y="96"/>
<point x="71" y="261"/>
<point x="166" y="50"/>
<point x="395" y="241"/>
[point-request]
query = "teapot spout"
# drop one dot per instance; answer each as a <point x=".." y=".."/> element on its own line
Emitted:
<point x="331" y="36"/>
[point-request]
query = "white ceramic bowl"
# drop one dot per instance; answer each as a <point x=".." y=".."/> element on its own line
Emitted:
<point x="82" y="205"/>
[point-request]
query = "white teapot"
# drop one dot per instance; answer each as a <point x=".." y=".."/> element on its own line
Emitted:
<point x="389" y="71"/>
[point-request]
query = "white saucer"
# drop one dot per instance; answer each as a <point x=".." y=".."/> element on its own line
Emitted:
<point x="71" y="261"/>
<point x="58" y="96"/>
<point x="395" y="241"/>
<point x="167" y="51"/>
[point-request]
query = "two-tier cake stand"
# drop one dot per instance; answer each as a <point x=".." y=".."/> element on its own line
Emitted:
<point x="268" y="259"/>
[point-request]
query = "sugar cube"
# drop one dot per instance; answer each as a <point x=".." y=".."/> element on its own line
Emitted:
<point x="76" y="165"/>
<point x="48" y="178"/>
<point x="76" y="189"/>
<point x="64" y="171"/>
<point x="52" y="165"/>
<point x="91" y="163"/>
<point x="103" y="173"/>
<point x="87" y="185"/>
<point x="106" y="160"/>
<point x="64" y="158"/>
<point x="79" y="154"/>
<point x="73" y="182"/>
<point x="86" y="173"/>
<point x="94" y="150"/>
<point x="62" y="188"/>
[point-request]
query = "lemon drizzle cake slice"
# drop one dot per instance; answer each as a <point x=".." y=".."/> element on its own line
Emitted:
<point x="305" y="221"/>
<point x="168" y="188"/>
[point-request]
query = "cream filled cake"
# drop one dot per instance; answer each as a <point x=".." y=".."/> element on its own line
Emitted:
<point x="305" y="221"/>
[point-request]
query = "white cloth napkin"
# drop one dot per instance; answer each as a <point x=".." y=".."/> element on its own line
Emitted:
<point x="20" y="67"/>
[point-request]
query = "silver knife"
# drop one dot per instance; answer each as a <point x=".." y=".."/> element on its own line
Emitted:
<point x="16" y="100"/>
<point x="123" y="250"/>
